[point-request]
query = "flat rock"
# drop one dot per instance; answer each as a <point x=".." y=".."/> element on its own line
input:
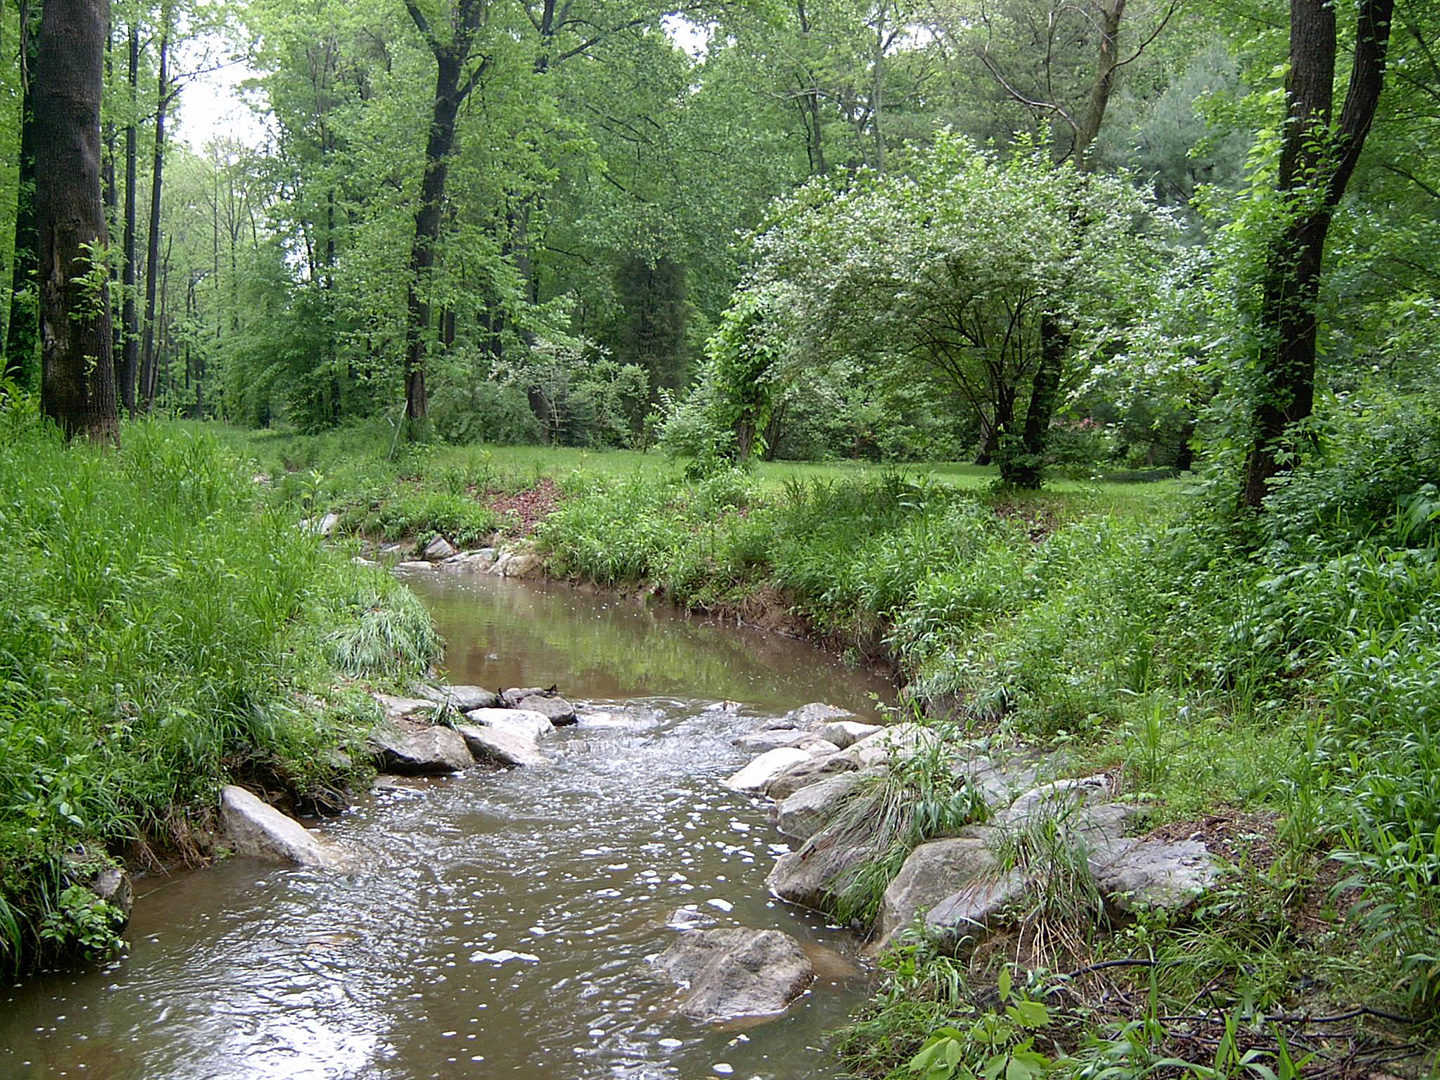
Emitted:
<point x="254" y="828"/>
<point x="438" y="550"/>
<point x="737" y="972"/>
<point x="813" y="875"/>
<point x="815" y="714"/>
<point x="517" y="565"/>
<point x="559" y="710"/>
<point x="900" y="742"/>
<point x="1158" y="874"/>
<point x="511" y="696"/>
<point x="1058" y="800"/>
<point x="471" y="561"/>
<point x="534" y="725"/>
<point x="401" y="708"/>
<point x="957" y="879"/>
<point x="413" y="564"/>
<point x="419" y="751"/>
<point x="463" y="698"/>
<point x="806" y="812"/>
<point x="760" y="741"/>
<point x="845" y="733"/>
<point x="805" y="773"/>
<point x="765" y="768"/>
<point x="504" y="746"/>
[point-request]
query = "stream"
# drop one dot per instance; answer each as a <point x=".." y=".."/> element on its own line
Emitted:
<point x="501" y="924"/>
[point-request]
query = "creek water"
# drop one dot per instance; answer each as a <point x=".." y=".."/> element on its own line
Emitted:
<point x="501" y="925"/>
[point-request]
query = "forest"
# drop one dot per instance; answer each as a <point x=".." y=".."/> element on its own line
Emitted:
<point x="1076" y="361"/>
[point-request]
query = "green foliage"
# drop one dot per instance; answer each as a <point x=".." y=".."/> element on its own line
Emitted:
<point x="83" y="924"/>
<point x="164" y="630"/>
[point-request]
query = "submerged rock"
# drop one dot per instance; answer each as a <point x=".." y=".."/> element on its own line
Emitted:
<point x="419" y="751"/>
<point x="735" y="973"/>
<point x="765" y="768"/>
<point x="533" y="725"/>
<point x="557" y="709"/>
<point x="254" y="828"/>
<point x="504" y="746"/>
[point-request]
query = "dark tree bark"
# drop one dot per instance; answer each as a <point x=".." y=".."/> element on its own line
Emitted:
<point x="1316" y="163"/>
<point x="129" y="325"/>
<point x="22" y="340"/>
<point x="152" y="256"/>
<point x="77" y="373"/>
<point x="1025" y="467"/>
<point x="452" y="87"/>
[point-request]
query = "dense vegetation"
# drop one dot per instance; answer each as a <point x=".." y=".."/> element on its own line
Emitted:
<point x="1073" y="244"/>
<point x="165" y="630"/>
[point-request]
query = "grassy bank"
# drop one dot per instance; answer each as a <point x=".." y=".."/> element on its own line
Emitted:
<point x="164" y="630"/>
<point x="1267" y="683"/>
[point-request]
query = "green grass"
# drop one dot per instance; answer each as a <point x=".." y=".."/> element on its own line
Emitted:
<point x="164" y="630"/>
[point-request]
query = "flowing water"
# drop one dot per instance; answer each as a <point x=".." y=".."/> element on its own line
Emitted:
<point x="502" y="922"/>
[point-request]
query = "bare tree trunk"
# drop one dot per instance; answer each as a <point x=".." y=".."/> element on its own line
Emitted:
<point x="1106" y="63"/>
<point x="1027" y="468"/>
<point x="152" y="257"/>
<point x="1315" y="167"/>
<point x="23" y="336"/>
<point x="77" y="372"/>
<point x="129" y="327"/>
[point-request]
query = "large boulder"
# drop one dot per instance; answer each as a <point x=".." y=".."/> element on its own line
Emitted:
<point x="471" y="561"/>
<point x="956" y="883"/>
<point x="1157" y="874"/>
<point x="805" y="773"/>
<point x="736" y="972"/>
<point x="504" y="746"/>
<point x="1059" y="799"/>
<point x="765" y="768"/>
<point x="845" y="733"/>
<point x="807" y="811"/>
<point x="257" y="829"/>
<point x="461" y="698"/>
<point x="520" y="564"/>
<point x="818" y="872"/>
<point x="412" y="750"/>
<point x="438" y="550"/>
<point x="522" y="721"/>
<point x="557" y="709"/>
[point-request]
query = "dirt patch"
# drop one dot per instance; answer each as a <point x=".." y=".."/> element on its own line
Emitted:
<point x="1039" y="520"/>
<point x="523" y="510"/>
<point x="1238" y="836"/>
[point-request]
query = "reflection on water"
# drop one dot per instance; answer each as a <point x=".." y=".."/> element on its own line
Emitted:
<point x="503" y="921"/>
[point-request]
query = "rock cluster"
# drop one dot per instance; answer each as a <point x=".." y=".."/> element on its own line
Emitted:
<point x="815" y="759"/>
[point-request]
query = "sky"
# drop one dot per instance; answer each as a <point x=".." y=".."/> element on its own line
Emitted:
<point x="210" y="106"/>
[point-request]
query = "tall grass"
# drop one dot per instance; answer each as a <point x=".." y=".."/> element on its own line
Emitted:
<point x="163" y="630"/>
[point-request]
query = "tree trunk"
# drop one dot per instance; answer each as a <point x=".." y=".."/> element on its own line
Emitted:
<point x="1316" y="163"/>
<point x="1027" y="467"/>
<point x="1099" y="98"/>
<point x="77" y="371"/>
<point x="450" y="94"/>
<point x="129" y="328"/>
<point x="152" y="257"/>
<point x="22" y="340"/>
<point x="993" y="428"/>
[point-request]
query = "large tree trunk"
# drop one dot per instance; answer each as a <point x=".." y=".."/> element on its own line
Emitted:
<point x="1315" y="166"/>
<point x="78" y="374"/>
<point x="23" y="336"/>
<point x="129" y="326"/>
<point x="1106" y="63"/>
<point x="152" y="257"/>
